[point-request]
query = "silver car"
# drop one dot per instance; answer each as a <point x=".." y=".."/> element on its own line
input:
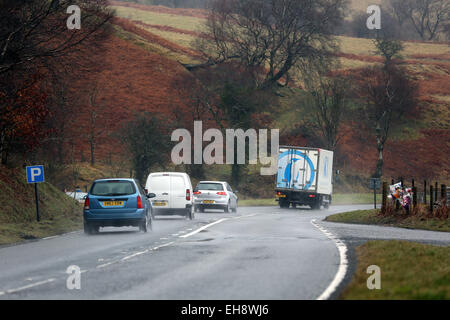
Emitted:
<point x="215" y="195"/>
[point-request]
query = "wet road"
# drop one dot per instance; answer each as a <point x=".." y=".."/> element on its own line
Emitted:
<point x="258" y="253"/>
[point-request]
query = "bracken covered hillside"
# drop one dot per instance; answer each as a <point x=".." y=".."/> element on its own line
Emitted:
<point x="151" y="43"/>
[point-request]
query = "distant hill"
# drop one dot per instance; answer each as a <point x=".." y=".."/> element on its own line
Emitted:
<point x="362" y="5"/>
<point x="173" y="3"/>
<point x="357" y="5"/>
<point x="152" y="42"/>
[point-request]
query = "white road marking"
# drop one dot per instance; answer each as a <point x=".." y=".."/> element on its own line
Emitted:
<point x="203" y="228"/>
<point x="163" y="245"/>
<point x="246" y="216"/>
<point x="2" y="293"/>
<point x="30" y="286"/>
<point x="105" y="265"/>
<point x="134" y="255"/>
<point x="53" y="237"/>
<point x="342" y="270"/>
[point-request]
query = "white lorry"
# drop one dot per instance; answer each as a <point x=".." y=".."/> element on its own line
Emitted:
<point x="304" y="177"/>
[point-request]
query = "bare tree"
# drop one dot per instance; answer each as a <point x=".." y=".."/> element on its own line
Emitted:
<point x="428" y="17"/>
<point x="328" y="100"/>
<point x="35" y="42"/>
<point x="390" y="95"/>
<point x="271" y="36"/>
<point x="33" y="31"/>
<point x="98" y="121"/>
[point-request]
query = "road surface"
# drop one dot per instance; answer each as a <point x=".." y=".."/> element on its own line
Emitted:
<point x="258" y="253"/>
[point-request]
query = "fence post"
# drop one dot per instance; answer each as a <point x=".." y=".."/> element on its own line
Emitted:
<point x="436" y="191"/>
<point x="444" y="194"/>
<point x="384" y="198"/>
<point x="425" y="191"/>
<point x="431" y="199"/>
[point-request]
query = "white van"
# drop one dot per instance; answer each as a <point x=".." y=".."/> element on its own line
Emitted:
<point x="173" y="192"/>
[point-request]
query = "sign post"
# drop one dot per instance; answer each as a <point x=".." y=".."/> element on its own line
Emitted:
<point x="35" y="174"/>
<point x="375" y="184"/>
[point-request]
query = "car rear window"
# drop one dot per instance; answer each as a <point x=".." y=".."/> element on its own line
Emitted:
<point x="210" y="186"/>
<point x="113" y="188"/>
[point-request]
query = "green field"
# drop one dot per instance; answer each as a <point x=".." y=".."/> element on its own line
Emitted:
<point x="158" y="18"/>
<point x="408" y="271"/>
<point x="338" y="199"/>
<point x="400" y="220"/>
<point x="356" y="46"/>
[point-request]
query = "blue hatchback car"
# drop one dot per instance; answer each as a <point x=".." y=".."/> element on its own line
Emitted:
<point x="117" y="203"/>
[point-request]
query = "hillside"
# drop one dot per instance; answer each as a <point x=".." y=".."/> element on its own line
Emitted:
<point x="58" y="212"/>
<point x="145" y="56"/>
<point x="172" y="31"/>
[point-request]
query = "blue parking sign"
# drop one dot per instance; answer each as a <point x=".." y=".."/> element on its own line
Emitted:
<point x="35" y="174"/>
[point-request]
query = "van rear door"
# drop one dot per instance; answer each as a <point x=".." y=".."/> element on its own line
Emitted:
<point x="178" y="189"/>
<point x="159" y="184"/>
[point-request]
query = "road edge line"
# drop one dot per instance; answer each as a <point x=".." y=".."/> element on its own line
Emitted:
<point x="343" y="263"/>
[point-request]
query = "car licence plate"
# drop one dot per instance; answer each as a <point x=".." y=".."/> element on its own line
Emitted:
<point x="112" y="203"/>
<point x="159" y="204"/>
<point x="208" y="201"/>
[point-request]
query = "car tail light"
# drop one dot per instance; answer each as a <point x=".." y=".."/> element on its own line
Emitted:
<point x="86" y="204"/>
<point x="139" y="202"/>
<point x="197" y="192"/>
<point x="188" y="194"/>
<point x="222" y="193"/>
<point x="312" y="196"/>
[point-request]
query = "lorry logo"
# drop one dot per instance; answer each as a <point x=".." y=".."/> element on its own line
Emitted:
<point x="288" y="169"/>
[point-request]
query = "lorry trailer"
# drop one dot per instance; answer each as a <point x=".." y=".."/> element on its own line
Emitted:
<point x="304" y="177"/>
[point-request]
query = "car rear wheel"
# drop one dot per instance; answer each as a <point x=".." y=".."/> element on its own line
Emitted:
<point x="227" y="209"/>
<point x="90" y="229"/>
<point x="87" y="228"/>
<point x="190" y="214"/>
<point x="144" y="225"/>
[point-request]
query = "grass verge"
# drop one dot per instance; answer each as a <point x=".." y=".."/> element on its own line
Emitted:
<point x="408" y="271"/>
<point x="59" y="213"/>
<point x="338" y="199"/>
<point x="257" y="202"/>
<point x="400" y="220"/>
